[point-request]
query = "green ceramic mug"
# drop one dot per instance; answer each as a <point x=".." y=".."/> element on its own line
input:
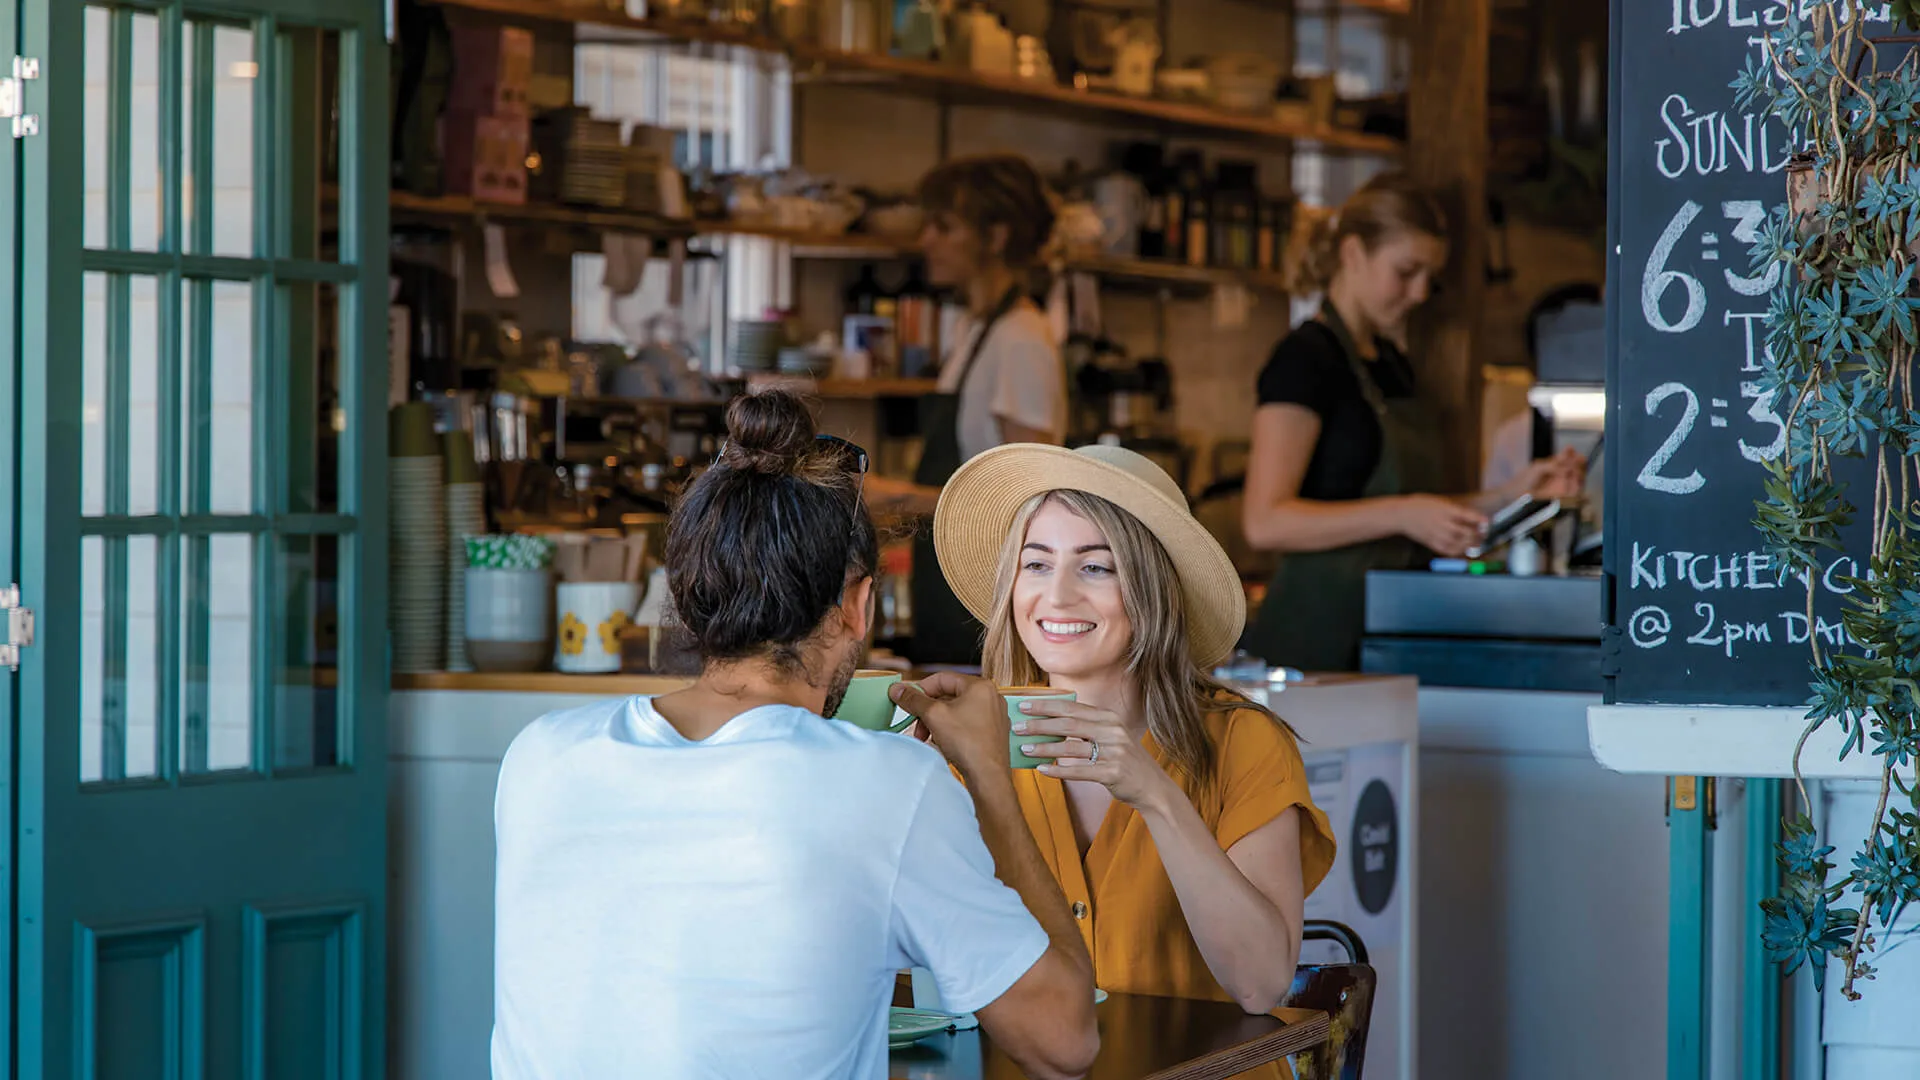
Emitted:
<point x="1015" y="696"/>
<point x="867" y="704"/>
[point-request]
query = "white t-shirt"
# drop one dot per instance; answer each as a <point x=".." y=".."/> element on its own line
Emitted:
<point x="732" y="908"/>
<point x="1018" y="377"/>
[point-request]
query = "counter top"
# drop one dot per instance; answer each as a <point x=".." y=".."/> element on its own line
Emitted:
<point x="537" y="682"/>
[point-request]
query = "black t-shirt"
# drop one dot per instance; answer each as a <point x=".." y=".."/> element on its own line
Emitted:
<point x="1309" y="369"/>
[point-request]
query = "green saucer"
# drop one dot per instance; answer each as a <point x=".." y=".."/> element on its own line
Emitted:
<point x="908" y="1026"/>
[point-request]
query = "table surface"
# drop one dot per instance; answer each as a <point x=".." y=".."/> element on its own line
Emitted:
<point x="1154" y="1038"/>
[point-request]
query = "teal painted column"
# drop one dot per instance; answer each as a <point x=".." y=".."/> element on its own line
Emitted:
<point x="1760" y="989"/>
<point x="1689" y="926"/>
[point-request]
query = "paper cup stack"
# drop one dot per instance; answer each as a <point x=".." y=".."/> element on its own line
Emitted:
<point x="466" y="516"/>
<point x="416" y="540"/>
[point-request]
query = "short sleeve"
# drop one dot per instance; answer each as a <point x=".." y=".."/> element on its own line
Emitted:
<point x="1301" y="371"/>
<point x="1030" y="384"/>
<point x="950" y="914"/>
<point x="1262" y="775"/>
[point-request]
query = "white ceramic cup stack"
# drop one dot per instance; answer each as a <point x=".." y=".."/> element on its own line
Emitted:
<point x="416" y="546"/>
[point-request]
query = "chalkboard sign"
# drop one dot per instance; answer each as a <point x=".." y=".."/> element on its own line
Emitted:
<point x="1696" y="612"/>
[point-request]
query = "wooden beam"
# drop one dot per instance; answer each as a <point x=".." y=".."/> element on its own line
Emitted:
<point x="1447" y="151"/>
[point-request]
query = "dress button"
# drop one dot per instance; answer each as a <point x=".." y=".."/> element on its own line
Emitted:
<point x="1079" y="910"/>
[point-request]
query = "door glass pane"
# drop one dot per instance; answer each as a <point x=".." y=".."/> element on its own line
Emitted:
<point x="310" y="116"/>
<point x="216" y="405"/>
<point x="144" y="690"/>
<point x="96" y="124"/>
<point x="142" y="350"/>
<point x="142" y="137"/>
<point x="317" y="420"/>
<point x="121" y="388"/>
<point x="307" y="677"/>
<point x="218" y="92"/>
<point x="120" y="671"/>
<point x="93" y="392"/>
<point x="216" y="730"/>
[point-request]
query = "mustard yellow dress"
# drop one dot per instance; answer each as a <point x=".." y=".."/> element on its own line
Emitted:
<point x="1122" y="898"/>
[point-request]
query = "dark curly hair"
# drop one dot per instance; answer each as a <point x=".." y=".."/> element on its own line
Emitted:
<point x="764" y="544"/>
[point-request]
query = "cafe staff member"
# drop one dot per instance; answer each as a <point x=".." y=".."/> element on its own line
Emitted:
<point x="987" y="220"/>
<point x="1344" y="475"/>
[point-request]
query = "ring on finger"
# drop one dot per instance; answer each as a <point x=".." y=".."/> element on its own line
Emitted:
<point x="1093" y="754"/>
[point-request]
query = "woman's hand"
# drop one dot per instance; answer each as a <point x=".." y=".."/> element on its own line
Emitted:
<point x="964" y="718"/>
<point x="1561" y="476"/>
<point x="1442" y="526"/>
<point x="1123" y="766"/>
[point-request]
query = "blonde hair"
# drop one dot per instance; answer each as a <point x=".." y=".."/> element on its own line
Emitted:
<point x="1389" y="206"/>
<point x="1174" y="692"/>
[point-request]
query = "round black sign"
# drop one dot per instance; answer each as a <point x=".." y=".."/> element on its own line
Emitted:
<point x="1376" y="847"/>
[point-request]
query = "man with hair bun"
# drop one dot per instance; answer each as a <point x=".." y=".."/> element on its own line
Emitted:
<point x="719" y="882"/>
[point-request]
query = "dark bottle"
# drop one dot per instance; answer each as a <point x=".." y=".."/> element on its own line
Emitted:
<point x="1145" y="161"/>
<point x="1199" y="216"/>
<point x="1185" y="186"/>
<point x="1266" y="236"/>
<point x="866" y="295"/>
<point x="1236" y="203"/>
<point x="915" y="320"/>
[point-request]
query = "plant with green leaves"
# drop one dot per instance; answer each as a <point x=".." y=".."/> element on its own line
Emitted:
<point x="1842" y="327"/>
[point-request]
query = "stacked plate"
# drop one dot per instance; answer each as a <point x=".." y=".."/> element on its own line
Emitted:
<point x="756" y="344"/>
<point x="416" y="541"/>
<point x="466" y="516"/>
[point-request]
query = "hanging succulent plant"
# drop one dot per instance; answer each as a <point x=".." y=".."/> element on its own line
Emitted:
<point x="1843" y="325"/>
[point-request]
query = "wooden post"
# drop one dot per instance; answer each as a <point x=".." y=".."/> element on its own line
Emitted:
<point x="1447" y="151"/>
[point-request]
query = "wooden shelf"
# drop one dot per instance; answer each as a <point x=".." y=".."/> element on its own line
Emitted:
<point x="945" y="82"/>
<point x="1152" y="272"/>
<point x="460" y="207"/>
<point x="806" y="244"/>
<point x="864" y="246"/>
<point x="847" y="389"/>
<point x="816" y="245"/>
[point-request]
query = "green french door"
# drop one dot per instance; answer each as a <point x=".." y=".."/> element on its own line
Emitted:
<point x="192" y="503"/>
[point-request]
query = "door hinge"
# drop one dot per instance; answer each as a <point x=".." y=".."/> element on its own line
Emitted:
<point x="19" y="627"/>
<point x="13" y="97"/>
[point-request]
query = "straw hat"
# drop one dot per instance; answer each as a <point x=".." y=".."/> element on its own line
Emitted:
<point x="978" y="506"/>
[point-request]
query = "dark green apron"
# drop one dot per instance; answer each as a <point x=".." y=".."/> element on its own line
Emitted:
<point x="1314" y="613"/>
<point x="944" y="631"/>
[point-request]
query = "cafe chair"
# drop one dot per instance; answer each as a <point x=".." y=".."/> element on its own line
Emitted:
<point x="1344" y="992"/>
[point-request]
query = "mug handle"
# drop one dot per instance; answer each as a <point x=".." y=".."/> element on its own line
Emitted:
<point x="902" y="720"/>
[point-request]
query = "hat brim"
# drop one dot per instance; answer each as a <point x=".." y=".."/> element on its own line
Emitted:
<point x="977" y="509"/>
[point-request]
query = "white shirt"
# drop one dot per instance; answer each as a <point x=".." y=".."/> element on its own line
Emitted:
<point x="1018" y="377"/>
<point x="732" y="908"/>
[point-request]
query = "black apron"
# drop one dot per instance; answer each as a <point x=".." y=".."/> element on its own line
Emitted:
<point x="1314" y="613"/>
<point x="944" y="631"/>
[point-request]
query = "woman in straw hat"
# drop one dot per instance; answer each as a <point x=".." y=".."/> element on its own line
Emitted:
<point x="1175" y="813"/>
